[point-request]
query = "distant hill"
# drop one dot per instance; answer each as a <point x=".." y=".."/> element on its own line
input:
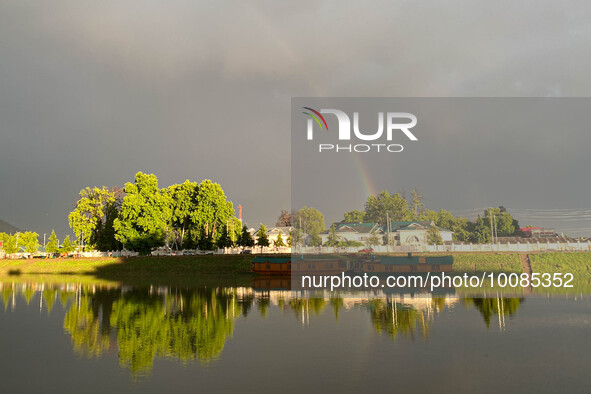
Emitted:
<point x="8" y="228"/>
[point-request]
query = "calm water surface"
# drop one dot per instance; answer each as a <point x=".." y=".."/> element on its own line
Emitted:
<point x="72" y="337"/>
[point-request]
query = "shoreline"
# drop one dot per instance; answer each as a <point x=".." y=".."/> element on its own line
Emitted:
<point x="240" y="264"/>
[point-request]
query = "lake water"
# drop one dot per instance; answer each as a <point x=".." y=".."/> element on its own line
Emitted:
<point x="97" y="337"/>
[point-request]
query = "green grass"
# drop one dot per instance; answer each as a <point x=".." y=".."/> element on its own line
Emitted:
<point x="207" y="270"/>
<point x="478" y="262"/>
<point x="579" y="264"/>
<point x="234" y="270"/>
<point x="576" y="263"/>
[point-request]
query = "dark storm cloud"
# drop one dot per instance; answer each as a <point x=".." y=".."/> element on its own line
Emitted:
<point x="91" y="92"/>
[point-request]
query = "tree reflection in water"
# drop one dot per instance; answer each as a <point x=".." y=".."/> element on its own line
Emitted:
<point x="498" y="306"/>
<point x="389" y="317"/>
<point x="141" y="324"/>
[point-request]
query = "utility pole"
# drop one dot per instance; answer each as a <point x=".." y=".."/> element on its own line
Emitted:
<point x="492" y="234"/>
<point x="496" y="229"/>
<point x="301" y="234"/>
<point x="387" y="232"/>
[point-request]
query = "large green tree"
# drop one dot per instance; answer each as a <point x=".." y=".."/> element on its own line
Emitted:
<point x="183" y="199"/>
<point x="9" y="243"/>
<point x="29" y="241"/>
<point x="480" y="232"/>
<point x="311" y="221"/>
<point x="461" y="229"/>
<point x="145" y="215"/>
<point x="212" y="210"/>
<point x="385" y="206"/>
<point x="503" y="222"/>
<point x="354" y="216"/>
<point x="86" y="220"/>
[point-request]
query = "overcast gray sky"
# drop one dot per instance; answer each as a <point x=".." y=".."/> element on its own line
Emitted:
<point x="93" y="91"/>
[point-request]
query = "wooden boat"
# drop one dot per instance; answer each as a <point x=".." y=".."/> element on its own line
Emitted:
<point x="271" y="265"/>
<point x="405" y="264"/>
<point x="283" y="266"/>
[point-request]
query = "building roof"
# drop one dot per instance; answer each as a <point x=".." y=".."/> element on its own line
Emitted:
<point x="360" y="228"/>
<point x="368" y="227"/>
<point x="263" y="259"/>
<point x="274" y="230"/>
<point x="413" y="224"/>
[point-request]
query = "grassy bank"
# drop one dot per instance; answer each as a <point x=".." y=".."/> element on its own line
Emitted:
<point x="578" y="264"/>
<point x="179" y="270"/>
<point x="487" y="262"/>
<point x="236" y="268"/>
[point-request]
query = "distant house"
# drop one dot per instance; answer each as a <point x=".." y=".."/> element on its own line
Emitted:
<point x="273" y="233"/>
<point x="534" y="232"/>
<point x="405" y="233"/>
<point x="414" y="233"/>
<point x="359" y="232"/>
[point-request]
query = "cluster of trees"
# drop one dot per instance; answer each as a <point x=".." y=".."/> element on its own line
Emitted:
<point x="28" y="242"/>
<point x="307" y="221"/>
<point x="142" y="216"/>
<point x="20" y="242"/>
<point x="385" y="207"/>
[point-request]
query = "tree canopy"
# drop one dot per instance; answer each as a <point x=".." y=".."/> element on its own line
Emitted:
<point x="141" y="216"/>
<point x="354" y="216"/>
<point x="385" y="206"/>
<point x="92" y="212"/>
<point x="311" y="221"/>
<point x="145" y="214"/>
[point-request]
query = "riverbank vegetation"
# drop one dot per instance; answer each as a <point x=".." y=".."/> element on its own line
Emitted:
<point x="487" y="262"/>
